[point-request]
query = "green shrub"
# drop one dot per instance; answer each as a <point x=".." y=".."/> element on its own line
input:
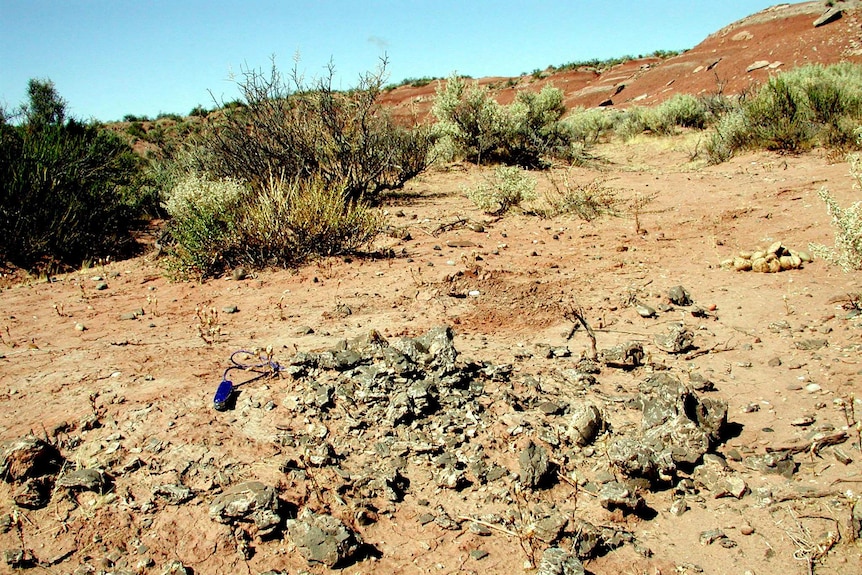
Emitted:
<point x="70" y="191"/>
<point x="847" y="252"/>
<point x="134" y="118"/>
<point x="199" y="111"/>
<point x="808" y="106"/>
<point x="471" y="125"/>
<point x="506" y="188"/>
<point x="533" y="129"/>
<point x="136" y="130"/>
<point x="680" y="111"/>
<point x="219" y="224"/>
<point x="469" y="120"/>
<point x="293" y="131"/>
<point x="590" y="126"/>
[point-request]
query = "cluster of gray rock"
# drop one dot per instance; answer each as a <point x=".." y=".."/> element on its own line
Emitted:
<point x="375" y="419"/>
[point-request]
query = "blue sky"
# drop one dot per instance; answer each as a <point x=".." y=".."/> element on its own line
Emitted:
<point x="109" y="58"/>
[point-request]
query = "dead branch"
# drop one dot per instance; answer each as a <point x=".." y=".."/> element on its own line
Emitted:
<point x="714" y="349"/>
<point x="488" y="525"/>
<point x="576" y="314"/>
<point x="812" y="446"/>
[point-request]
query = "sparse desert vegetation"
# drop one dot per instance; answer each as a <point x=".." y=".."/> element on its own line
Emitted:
<point x="505" y="332"/>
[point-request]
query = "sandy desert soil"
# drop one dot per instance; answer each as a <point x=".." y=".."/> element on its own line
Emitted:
<point x="132" y="398"/>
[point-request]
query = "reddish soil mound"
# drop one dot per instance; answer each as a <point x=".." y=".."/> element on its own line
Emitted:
<point x="778" y="38"/>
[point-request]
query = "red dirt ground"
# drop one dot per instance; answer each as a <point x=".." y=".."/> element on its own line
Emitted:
<point x="151" y="379"/>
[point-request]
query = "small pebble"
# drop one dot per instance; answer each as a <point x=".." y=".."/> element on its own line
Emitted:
<point x="80" y="327"/>
<point x="746" y="529"/>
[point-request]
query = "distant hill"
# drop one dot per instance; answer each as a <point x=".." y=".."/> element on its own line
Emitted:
<point x="729" y="60"/>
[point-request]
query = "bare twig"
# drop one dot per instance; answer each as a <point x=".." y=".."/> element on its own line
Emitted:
<point x="575" y="313"/>
<point x="814" y="445"/>
<point x="489" y="525"/>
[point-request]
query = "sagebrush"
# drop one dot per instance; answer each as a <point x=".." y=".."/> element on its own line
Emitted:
<point x="847" y="223"/>
<point x="507" y="187"/>
<point x="793" y="112"/>
<point x="472" y="126"/>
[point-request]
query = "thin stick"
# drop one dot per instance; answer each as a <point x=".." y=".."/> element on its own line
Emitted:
<point x="489" y="525"/>
<point x="813" y="446"/>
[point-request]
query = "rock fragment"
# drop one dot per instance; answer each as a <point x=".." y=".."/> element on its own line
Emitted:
<point x="585" y="424"/>
<point x="323" y="538"/>
<point x="26" y="457"/>
<point x="249" y="500"/>
<point x="678" y="339"/>
<point x="556" y="561"/>
<point x="83" y="480"/>
<point x="174" y="494"/>
<point x="678" y="295"/>
<point x="534" y="465"/>
<point x="831" y="15"/>
<point x="678" y="427"/>
<point x="624" y="356"/>
<point x="615" y="495"/>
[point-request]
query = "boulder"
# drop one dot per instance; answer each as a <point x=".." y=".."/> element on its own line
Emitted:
<point x="831" y="15"/>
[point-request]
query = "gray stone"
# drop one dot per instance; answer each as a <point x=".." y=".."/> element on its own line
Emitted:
<point x="626" y="356"/>
<point x="556" y="561"/>
<point x="17" y="558"/>
<point x="678" y="295"/>
<point x="644" y="310"/>
<point x="678" y="507"/>
<point x="678" y="339"/>
<point x="758" y="65"/>
<point x="778" y="463"/>
<point x="615" y="495"/>
<point x="323" y="538"/>
<point x="711" y="536"/>
<point x="34" y="493"/>
<point x="678" y="427"/>
<point x="534" y="465"/>
<point x="831" y="15"/>
<point x="83" y="479"/>
<point x="549" y="529"/>
<point x="251" y="500"/>
<point x="856" y="520"/>
<point x="811" y="344"/>
<point x="176" y="568"/>
<point x="174" y="494"/>
<point x="585" y="424"/>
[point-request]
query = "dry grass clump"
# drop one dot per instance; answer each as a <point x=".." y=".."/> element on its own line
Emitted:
<point x="220" y="224"/>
